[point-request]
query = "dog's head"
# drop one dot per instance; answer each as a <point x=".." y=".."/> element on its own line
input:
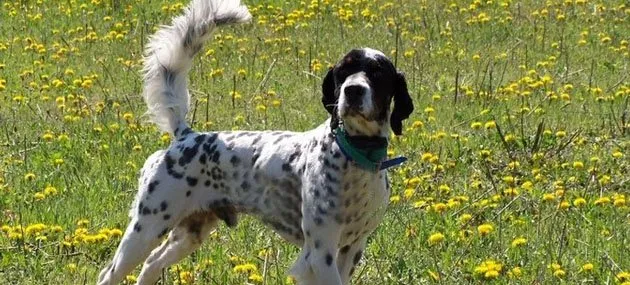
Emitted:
<point x="359" y="89"/>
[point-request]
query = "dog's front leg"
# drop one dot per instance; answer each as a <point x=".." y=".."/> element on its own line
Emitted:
<point x="348" y="258"/>
<point x="317" y="264"/>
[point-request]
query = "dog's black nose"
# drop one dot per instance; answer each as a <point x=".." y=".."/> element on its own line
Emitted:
<point x="354" y="93"/>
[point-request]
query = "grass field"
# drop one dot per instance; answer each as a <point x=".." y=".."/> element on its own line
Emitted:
<point x="518" y="173"/>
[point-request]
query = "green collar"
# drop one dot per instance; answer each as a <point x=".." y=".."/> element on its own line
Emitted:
<point x="369" y="158"/>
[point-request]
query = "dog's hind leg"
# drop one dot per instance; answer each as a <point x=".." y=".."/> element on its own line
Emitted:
<point x="185" y="238"/>
<point x="137" y="242"/>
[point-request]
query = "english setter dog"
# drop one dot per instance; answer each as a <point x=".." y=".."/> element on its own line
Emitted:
<point x="324" y="190"/>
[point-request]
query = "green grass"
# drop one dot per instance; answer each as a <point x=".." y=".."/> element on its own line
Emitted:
<point x="553" y="77"/>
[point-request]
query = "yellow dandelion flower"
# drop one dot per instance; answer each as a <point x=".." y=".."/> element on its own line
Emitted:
<point x="435" y="238"/>
<point x="29" y="176"/>
<point x="587" y="267"/>
<point x="394" y="199"/>
<point x="485" y="229"/>
<point x="256" y="278"/>
<point x="71" y="267"/>
<point x="517" y="242"/>
<point x="559" y="273"/>
<point x="579" y="202"/>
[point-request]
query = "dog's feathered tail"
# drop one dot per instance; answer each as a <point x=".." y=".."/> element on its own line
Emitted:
<point x="169" y="55"/>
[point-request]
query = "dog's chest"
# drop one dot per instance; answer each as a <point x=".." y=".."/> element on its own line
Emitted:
<point x="364" y="197"/>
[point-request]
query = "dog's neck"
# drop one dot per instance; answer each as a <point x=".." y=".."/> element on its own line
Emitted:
<point x="365" y="130"/>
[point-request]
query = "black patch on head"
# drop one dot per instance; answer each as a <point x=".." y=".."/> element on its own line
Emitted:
<point x="329" y="259"/>
<point x="207" y="183"/>
<point x="403" y="105"/>
<point x="137" y="227"/>
<point x="192" y="181"/>
<point x="188" y="193"/>
<point x="146" y="211"/>
<point x="330" y="95"/>
<point x="203" y="158"/>
<point x="167" y="216"/>
<point x="163" y="206"/>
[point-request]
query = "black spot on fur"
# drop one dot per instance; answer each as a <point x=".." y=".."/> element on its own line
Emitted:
<point x="317" y="244"/>
<point x="163" y="206"/>
<point x="329" y="259"/>
<point x="215" y="157"/>
<point x="203" y="158"/>
<point x="337" y="154"/>
<point x="167" y="216"/>
<point x="256" y="140"/>
<point x="286" y="167"/>
<point x="170" y="165"/>
<point x="344" y="249"/>
<point x="190" y="152"/>
<point x="235" y="160"/>
<point x="146" y="211"/>
<point x="255" y="158"/>
<point x="152" y="186"/>
<point x="357" y="257"/>
<point x="308" y="254"/>
<point x="330" y="191"/>
<point x="318" y="221"/>
<point x="207" y="183"/>
<point x="137" y="227"/>
<point x="163" y="232"/>
<point x="192" y="181"/>
<point x="188" y="193"/>
<point x="245" y="185"/>
<point x="330" y="178"/>
<point x="351" y="271"/>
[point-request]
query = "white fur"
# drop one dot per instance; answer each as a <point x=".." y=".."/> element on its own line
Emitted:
<point x="373" y="54"/>
<point x="168" y="103"/>
<point x="357" y="79"/>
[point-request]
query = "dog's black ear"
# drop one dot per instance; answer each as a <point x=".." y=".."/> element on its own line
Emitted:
<point x="403" y="106"/>
<point x="329" y="98"/>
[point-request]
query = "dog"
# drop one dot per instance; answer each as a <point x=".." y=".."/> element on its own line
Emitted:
<point x="324" y="190"/>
